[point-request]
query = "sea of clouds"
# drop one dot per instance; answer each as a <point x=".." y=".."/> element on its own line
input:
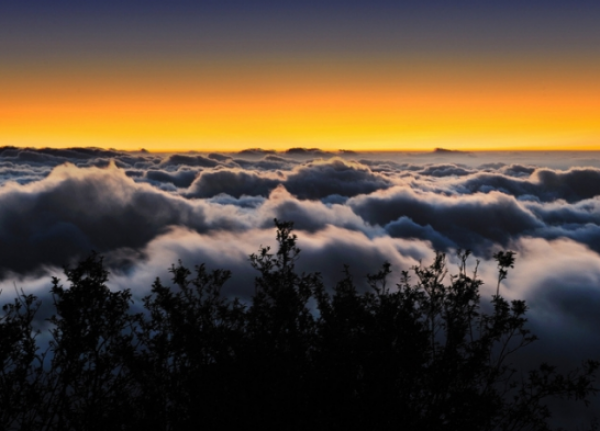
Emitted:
<point x="144" y="211"/>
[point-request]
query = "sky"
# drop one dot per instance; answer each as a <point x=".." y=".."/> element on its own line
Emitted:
<point x="229" y="75"/>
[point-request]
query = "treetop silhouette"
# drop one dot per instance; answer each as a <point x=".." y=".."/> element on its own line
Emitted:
<point x="418" y="354"/>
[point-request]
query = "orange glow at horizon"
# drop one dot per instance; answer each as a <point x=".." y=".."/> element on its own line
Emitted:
<point x="379" y="105"/>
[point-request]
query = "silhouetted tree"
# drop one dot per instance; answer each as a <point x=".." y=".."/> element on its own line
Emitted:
<point x="280" y="336"/>
<point x="20" y="364"/>
<point x="89" y="384"/>
<point x="416" y="355"/>
<point x="190" y="337"/>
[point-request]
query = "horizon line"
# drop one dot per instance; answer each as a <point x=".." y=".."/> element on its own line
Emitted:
<point x="298" y="150"/>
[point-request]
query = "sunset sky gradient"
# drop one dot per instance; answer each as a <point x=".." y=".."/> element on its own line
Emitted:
<point x="227" y="76"/>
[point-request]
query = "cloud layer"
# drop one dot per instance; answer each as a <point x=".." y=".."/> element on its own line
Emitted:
<point x="144" y="211"/>
<point x="58" y="204"/>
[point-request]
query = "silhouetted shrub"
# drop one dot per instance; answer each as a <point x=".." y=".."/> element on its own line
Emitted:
<point x="417" y="355"/>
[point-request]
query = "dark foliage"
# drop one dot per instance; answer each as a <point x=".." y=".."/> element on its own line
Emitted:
<point x="417" y="355"/>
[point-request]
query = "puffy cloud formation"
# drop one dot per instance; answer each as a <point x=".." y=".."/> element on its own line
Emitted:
<point x="232" y="182"/>
<point x="144" y="211"/>
<point x="316" y="180"/>
<point x="472" y="222"/>
<point x="75" y="210"/>
<point x="58" y="204"/>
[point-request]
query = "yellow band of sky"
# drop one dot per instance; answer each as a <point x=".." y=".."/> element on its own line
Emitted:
<point x="357" y="104"/>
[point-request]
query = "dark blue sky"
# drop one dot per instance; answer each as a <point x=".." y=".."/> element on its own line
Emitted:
<point x="268" y="6"/>
<point x="67" y="28"/>
<point x="30" y="5"/>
